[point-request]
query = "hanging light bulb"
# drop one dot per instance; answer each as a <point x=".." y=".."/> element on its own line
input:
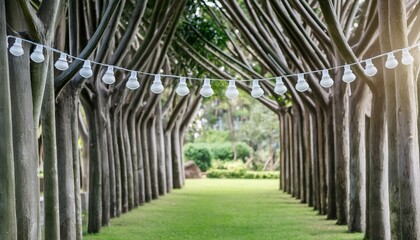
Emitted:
<point x="17" y="49"/>
<point x="157" y="86"/>
<point x="109" y="77"/>
<point x="348" y="76"/>
<point x="62" y="63"/>
<point x="406" y="59"/>
<point x="391" y="62"/>
<point x="257" y="91"/>
<point x="301" y="85"/>
<point x="280" y="88"/>
<point x="37" y="56"/>
<point x="231" y="91"/>
<point x="86" y="70"/>
<point x="132" y="82"/>
<point x="370" y="69"/>
<point x="206" y="90"/>
<point x="326" y="80"/>
<point x="182" y="88"/>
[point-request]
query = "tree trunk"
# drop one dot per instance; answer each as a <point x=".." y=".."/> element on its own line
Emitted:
<point x="153" y="157"/>
<point x="330" y="162"/>
<point x="357" y="197"/>
<point x="25" y="148"/>
<point x="407" y="132"/>
<point x="128" y="162"/>
<point x="168" y="158"/>
<point x="95" y="171"/>
<point x="341" y="126"/>
<point x="161" y="154"/>
<point x="378" y="184"/>
<point x="122" y="162"/>
<point x="51" y="206"/>
<point x="63" y="113"/>
<point x="118" y="179"/>
<point x="8" y="227"/>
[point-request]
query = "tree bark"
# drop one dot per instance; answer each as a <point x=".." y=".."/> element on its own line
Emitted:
<point x="8" y="227"/>
<point x="63" y="113"/>
<point x="51" y="205"/>
<point x="341" y="126"/>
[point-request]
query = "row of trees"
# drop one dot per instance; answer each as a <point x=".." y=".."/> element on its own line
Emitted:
<point x="132" y="140"/>
<point x="351" y="151"/>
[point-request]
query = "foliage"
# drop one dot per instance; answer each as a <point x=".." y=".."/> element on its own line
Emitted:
<point x="203" y="153"/>
<point x="225" y="209"/>
<point x="199" y="153"/>
<point x="242" y="173"/>
<point x="231" y="165"/>
<point x="212" y="136"/>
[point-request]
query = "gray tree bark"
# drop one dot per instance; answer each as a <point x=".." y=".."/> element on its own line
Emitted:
<point x="8" y="227"/>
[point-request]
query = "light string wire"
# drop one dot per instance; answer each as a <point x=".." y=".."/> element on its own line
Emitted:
<point x="213" y="79"/>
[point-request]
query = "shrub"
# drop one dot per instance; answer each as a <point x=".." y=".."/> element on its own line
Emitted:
<point x="243" y="150"/>
<point x="199" y="153"/>
<point x="224" y="151"/>
<point x="241" y="173"/>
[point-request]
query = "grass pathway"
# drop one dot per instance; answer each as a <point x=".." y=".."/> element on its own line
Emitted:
<point x="224" y="209"/>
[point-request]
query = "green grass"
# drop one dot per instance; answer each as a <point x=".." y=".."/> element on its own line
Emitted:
<point x="224" y="209"/>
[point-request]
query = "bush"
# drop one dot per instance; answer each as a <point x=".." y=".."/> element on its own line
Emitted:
<point x="199" y="153"/>
<point x="241" y="173"/>
<point x="224" y="151"/>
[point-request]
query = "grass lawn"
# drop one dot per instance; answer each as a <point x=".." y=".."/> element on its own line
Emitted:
<point x="224" y="209"/>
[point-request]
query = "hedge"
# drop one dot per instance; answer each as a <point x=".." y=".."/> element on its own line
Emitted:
<point x="222" y="173"/>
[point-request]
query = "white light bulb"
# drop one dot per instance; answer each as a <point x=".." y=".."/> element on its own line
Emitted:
<point x="301" y="85"/>
<point x="109" y="77"/>
<point x="206" y="90"/>
<point x="280" y="88"/>
<point x="370" y="69"/>
<point x="62" y="63"/>
<point x="406" y="59"/>
<point x="231" y="91"/>
<point x="17" y="49"/>
<point x="157" y="86"/>
<point x="391" y="62"/>
<point x="86" y="70"/>
<point x="257" y="91"/>
<point x="326" y="80"/>
<point x="37" y="56"/>
<point x="132" y="82"/>
<point x="182" y="88"/>
<point x="348" y="76"/>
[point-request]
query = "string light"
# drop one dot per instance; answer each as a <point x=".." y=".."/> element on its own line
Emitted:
<point x="182" y="88"/>
<point x="157" y="86"/>
<point x="406" y="59"/>
<point x="109" y="77"/>
<point x="348" y="76"/>
<point x="132" y="82"/>
<point x="391" y="62"/>
<point x="206" y="90"/>
<point x="231" y="91"/>
<point x="37" y="56"/>
<point x="301" y="84"/>
<point x="257" y="91"/>
<point x="17" y="49"/>
<point x="62" y="63"/>
<point x="326" y="80"/>
<point x="86" y="70"/>
<point x="370" y="69"/>
<point x="280" y="88"/>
